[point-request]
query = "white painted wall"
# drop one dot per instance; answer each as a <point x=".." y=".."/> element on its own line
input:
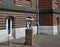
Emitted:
<point x="17" y="33"/>
<point x="3" y="35"/>
<point x="20" y="32"/>
<point x="59" y="28"/>
<point x="49" y="30"/>
<point x="55" y="30"/>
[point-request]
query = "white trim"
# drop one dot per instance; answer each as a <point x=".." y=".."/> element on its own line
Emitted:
<point x="11" y="26"/>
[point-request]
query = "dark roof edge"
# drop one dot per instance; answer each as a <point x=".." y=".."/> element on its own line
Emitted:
<point x="55" y="11"/>
<point x="11" y="7"/>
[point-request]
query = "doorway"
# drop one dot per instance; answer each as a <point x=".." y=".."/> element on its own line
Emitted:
<point x="9" y="26"/>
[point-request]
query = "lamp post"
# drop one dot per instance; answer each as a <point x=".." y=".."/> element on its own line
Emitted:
<point x="37" y="9"/>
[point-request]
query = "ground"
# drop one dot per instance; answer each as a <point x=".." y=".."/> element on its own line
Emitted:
<point x="38" y="41"/>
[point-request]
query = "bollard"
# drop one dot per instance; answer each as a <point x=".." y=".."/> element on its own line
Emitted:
<point x="28" y="36"/>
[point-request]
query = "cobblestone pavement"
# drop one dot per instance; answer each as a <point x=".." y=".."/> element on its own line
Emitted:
<point x="52" y="42"/>
<point x="38" y="41"/>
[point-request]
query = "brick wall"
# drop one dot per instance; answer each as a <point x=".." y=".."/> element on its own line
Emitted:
<point x="59" y="4"/>
<point x="21" y="3"/>
<point x="46" y="19"/>
<point x="32" y="3"/>
<point x="0" y="2"/>
<point x="19" y="19"/>
<point x="45" y="4"/>
<point x="18" y="2"/>
<point x="55" y="20"/>
<point x="54" y="4"/>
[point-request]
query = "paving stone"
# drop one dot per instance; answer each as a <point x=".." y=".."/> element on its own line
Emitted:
<point x="38" y="41"/>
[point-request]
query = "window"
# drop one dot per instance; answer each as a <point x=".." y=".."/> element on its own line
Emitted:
<point x="9" y="26"/>
<point x="14" y="1"/>
<point x="56" y="4"/>
<point x="56" y="1"/>
<point x="28" y="0"/>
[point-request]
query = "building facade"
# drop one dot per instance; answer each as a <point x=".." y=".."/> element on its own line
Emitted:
<point x="49" y="18"/>
<point x="13" y="14"/>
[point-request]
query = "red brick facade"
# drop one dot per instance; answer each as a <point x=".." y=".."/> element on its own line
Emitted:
<point x="19" y="17"/>
<point x="46" y="19"/>
<point x="13" y="19"/>
<point x="45" y="4"/>
<point x="49" y="19"/>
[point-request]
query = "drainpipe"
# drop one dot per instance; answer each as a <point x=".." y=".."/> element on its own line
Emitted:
<point x="37" y="9"/>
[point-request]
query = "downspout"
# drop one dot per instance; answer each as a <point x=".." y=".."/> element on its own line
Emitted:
<point x="37" y="9"/>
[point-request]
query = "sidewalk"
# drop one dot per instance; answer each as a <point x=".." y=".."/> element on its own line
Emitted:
<point x="38" y="41"/>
